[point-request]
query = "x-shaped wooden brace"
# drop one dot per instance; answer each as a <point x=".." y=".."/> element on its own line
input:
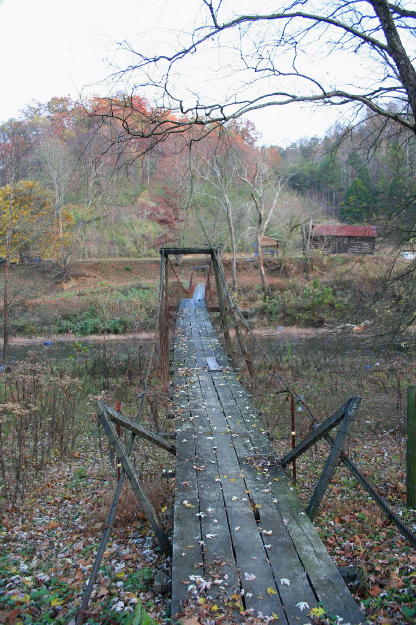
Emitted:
<point x="106" y="416"/>
<point x="342" y="416"/>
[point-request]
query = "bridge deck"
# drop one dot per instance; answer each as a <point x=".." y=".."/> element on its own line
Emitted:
<point x="238" y="523"/>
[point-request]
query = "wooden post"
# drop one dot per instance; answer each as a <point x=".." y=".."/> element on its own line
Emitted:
<point x="136" y="428"/>
<point x="208" y="282"/>
<point x="221" y="304"/>
<point x="293" y="434"/>
<point x="221" y="287"/>
<point x="244" y="351"/>
<point x="191" y="284"/>
<point x="128" y="469"/>
<point x="332" y="460"/>
<point x="164" y="320"/>
<point x="118" y="430"/>
<point x="411" y="448"/>
<point x="371" y="490"/>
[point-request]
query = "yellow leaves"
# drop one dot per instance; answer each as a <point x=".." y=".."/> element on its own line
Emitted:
<point x="318" y="612"/>
<point x="271" y="591"/>
<point x="21" y="598"/>
<point x="56" y="602"/>
<point x="25" y="218"/>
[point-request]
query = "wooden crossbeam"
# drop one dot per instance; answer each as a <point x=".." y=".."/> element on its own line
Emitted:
<point x="319" y="431"/>
<point x="140" y="430"/>
<point x="166" y="251"/>
<point x="333" y="458"/>
<point x="215" y="309"/>
<point x="133" y="479"/>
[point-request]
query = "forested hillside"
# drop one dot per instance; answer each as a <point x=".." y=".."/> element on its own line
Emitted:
<point x="359" y="174"/>
<point x="117" y="195"/>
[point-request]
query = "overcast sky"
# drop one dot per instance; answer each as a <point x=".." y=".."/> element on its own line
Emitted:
<point x="58" y="48"/>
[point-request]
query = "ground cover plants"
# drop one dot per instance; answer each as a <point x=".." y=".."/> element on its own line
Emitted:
<point x="106" y="310"/>
<point x="57" y="477"/>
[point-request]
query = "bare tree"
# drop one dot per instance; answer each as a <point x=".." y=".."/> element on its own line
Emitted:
<point x="277" y="58"/>
<point x="219" y="173"/>
<point x="265" y="191"/>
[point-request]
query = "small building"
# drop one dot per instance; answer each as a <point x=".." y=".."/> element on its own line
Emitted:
<point x="343" y="239"/>
<point x="269" y="245"/>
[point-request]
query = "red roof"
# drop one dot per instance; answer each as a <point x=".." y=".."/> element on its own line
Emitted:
<point x="266" y="240"/>
<point x="340" y="230"/>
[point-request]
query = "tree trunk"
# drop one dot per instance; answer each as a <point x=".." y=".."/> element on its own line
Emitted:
<point x="263" y="277"/>
<point x="233" y="246"/>
<point x="6" y="308"/>
<point x="396" y="50"/>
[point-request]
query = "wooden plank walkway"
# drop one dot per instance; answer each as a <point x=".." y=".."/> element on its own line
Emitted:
<point x="238" y="525"/>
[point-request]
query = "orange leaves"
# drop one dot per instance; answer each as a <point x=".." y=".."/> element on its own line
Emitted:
<point x="12" y="616"/>
<point x="375" y="591"/>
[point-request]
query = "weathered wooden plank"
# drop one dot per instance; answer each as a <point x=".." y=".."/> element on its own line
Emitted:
<point x="187" y="556"/>
<point x="219" y="558"/>
<point x="218" y="411"/>
<point x="251" y="556"/>
<point x="297" y="591"/>
<point x="213" y="364"/>
<point x="187" y="250"/>
<point x="327" y="583"/>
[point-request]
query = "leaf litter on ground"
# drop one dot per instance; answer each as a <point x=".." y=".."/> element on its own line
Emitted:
<point x="48" y="547"/>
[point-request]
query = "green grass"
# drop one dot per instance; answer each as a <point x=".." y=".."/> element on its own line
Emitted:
<point x="103" y="310"/>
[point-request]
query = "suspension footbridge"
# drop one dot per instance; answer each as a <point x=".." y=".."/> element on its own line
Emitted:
<point x="241" y="535"/>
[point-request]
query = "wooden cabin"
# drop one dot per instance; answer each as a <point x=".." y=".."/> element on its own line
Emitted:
<point x="343" y="239"/>
<point x="269" y="246"/>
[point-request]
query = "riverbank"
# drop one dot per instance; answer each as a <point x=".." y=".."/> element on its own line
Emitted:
<point x="120" y="296"/>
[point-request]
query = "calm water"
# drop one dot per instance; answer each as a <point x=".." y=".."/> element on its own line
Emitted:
<point x="81" y="349"/>
<point x="335" y="346"/>
<point x="328" y="346"/>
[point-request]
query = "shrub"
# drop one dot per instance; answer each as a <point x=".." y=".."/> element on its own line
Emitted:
<point x="91" y="322"/>
<point x="315" y="302"/>
<point x="38" y="421"/>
